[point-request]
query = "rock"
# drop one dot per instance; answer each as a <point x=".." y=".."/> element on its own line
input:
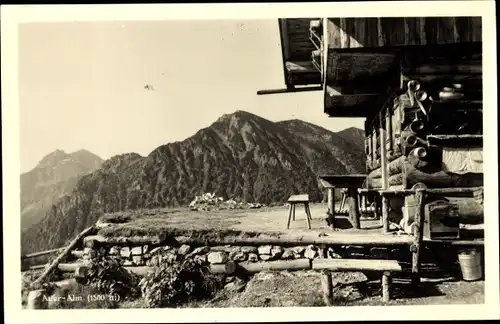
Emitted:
<point x="86" y="251"/>
<point x="184" y="249"/>
<point x="298" y="249"/>
<point x="115" y="250"/>
<point x="200" y="258"/>
<point x="128" y="263"/>
<point x="136" y="250"/>
<point x="253" y="257"/>
<point x="36" y="300"/>
<point x="266" y="257"/>
<point x="332" y="254"/>
<point x="265" y="249"/>
<point x="125" y="252"/>
<point x="234" y="252"/>
<point x="239" y="257"/>
<point x="277" y="251"/>
<point x="217" y="257"/>
<point x="249" y="249"/>
<point x="287" y="254"/>
<point x="311" y="252"/>
<point x="236" y="285"/>
<point x="155" y="250"/>
<point x="137" y="259"/>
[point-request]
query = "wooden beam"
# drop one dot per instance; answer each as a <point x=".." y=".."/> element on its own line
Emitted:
<point x="289" y="90"/>
<point x="417" y="237"/>
<point x="41" y="253"/>
<point x="383" y="152"/>
<point x="356" y="264"/>
<point x="53" y="265"/>
<point x="293" y="240"/>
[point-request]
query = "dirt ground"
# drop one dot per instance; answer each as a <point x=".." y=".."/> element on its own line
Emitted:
<point x="303" y="288"/>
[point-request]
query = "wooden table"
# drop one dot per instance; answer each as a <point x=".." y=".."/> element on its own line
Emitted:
<point x="352" y="183"/>
<point x="299" y="199"/>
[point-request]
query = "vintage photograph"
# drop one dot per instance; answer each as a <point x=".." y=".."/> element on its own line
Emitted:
<point x="239" y="163"/>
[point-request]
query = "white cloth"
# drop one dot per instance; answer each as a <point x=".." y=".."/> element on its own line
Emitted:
<point x="462" y="160"/>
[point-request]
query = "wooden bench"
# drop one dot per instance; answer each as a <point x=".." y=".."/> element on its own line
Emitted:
<point x="326" y="266"/>
<point x="299" y="199"/>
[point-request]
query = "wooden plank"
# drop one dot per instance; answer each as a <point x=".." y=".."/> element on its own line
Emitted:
<point x="281" y="265"/>
<point x="299" y="198"/>
<point x="295" y="239"/>
<point x="300" y="66"/>
<point x="431" y="26"/>
<point x="476" y="27"/>
<point x="344" y="35"/>
<point x="380" y="33"/>
<point x="463" y="30"/>
<point x="445" y="30"/>
<point x="344" y="181"/>
<point x="464" y="140"/>
<point x="63" y="255"/>
<point x="356" y="265"/>
<point x="358" y="35"/>
<point x="371" y="36"/>
<point x="333" y="32"/>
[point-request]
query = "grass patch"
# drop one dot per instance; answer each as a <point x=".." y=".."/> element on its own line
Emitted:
<point x="211" y="225"/>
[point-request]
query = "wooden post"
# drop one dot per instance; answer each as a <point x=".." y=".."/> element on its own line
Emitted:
<point x="374" y="146"/>
<point x="376" y="205"/>
<point x="385" y="213"/>
<point x="386" y="286"/>
<point x="388" y="125"/>
<point x="383" y="153"/>
<point x="289" y="215"/>
<point x="308" y="215"/>
<point x="326" y="284"/>
<point x="417" y="237"/>
<point x="352" y="194"/>
<point x="293" y="211"/>
<point x="331" y="206"/>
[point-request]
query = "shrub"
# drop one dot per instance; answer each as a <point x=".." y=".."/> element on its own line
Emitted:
<point x="175" y="283"/>
<point x="108" y="276"/>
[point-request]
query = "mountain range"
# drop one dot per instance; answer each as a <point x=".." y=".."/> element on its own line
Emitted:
<point x="55" y="176"/>
<point x="240" y="155"/>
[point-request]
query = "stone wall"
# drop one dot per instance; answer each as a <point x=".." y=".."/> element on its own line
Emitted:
<point x="153" y="256"/>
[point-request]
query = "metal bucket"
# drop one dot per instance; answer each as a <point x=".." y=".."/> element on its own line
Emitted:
<point x="470" y="264"/>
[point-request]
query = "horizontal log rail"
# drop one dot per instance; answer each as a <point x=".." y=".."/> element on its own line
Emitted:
<point x="41" y="253"/>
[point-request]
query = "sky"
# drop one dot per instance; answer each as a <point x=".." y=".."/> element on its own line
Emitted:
<point x="81" y="85"/>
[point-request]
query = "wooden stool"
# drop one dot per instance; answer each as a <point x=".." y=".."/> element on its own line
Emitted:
<point x="299" y="199"/>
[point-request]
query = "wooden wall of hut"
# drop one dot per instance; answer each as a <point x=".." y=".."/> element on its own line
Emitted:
<point x="437" y="111"/>
<point x="344" y="33"/>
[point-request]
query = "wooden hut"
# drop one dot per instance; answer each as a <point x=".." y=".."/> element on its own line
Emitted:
<point x="417" y="82"/>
